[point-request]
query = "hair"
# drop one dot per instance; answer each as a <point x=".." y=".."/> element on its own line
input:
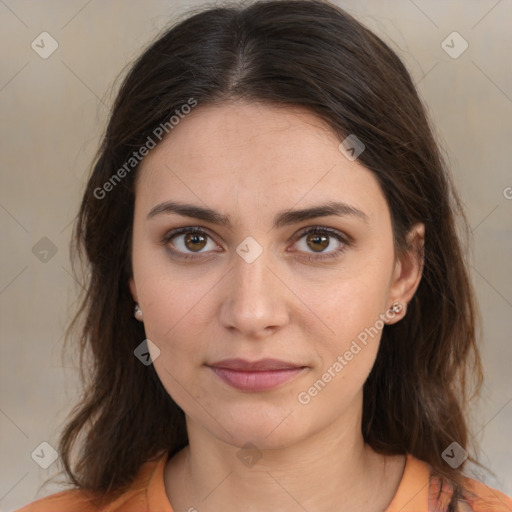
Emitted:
<point x="283" y="53"/>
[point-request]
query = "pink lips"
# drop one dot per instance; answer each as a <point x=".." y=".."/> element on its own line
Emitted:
<point x="255" y="376"/>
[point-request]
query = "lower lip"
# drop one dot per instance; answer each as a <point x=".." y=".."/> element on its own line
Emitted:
<point x="256" y="381"/>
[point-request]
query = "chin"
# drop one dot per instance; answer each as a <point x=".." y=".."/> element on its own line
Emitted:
<point x="265" y="428"/>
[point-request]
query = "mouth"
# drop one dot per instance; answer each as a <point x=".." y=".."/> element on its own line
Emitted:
<point x="261" y="375"/>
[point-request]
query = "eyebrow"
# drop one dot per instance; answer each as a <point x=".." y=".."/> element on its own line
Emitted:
<point x="283" y="218"/>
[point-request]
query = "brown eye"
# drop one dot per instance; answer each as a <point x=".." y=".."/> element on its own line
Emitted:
<point x="185" y="242"/>
<point x="194" y="242"/>
<point x="317" y="242"/>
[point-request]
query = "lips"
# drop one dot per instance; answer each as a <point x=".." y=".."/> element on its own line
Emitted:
<point x="261" y="375"/>
<point x="263" y="365"/>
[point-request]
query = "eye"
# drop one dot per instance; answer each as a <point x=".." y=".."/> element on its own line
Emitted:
<point x="188" y="240"/>
<point x="318" y="239"/>
<point x="191" y="240"/>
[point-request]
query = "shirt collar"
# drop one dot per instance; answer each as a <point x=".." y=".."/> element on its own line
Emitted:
<point x="412" y="492"/>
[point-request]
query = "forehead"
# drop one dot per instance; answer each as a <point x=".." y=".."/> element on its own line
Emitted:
<point x="253" y="156"/>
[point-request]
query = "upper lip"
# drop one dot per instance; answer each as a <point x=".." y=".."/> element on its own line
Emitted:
<point x="255" y="366"/>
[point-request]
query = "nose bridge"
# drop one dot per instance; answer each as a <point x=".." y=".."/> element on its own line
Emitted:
<point x="255" y="299"/>
<point x="251" y="274"/>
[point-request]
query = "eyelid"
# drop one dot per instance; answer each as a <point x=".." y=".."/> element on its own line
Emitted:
<point x="336" y="233"/>
<point x="169" y="235"/>
<point x="345" y="239"/>
<point x="342" y="237"/>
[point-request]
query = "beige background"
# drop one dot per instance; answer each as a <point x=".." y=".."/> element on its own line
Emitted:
<point x="53" y="112"/>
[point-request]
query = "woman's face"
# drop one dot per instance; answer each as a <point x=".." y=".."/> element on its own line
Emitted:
<point x="255" y="283"/>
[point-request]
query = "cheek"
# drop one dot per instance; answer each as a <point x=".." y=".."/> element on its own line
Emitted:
<point x="351" y="305"/>
<point x="174" y="316"/>
<point x="344" y="359"/>
<point x="171" y="294"/>
<point x="174" y="320"/>
<point x="354" y="318"/>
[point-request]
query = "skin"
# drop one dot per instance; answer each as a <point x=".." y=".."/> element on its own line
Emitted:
<point x="251" y="161"/>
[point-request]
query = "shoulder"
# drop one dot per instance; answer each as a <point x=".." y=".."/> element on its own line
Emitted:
<point x="474" y="497"/>
<point x="421" y="490"/>
<point x="132" y="499"/>
<point x="74" y="499"/>
<point x="483" y="498"/>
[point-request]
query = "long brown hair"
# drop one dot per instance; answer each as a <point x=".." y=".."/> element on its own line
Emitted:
<point x="282" y="52"/>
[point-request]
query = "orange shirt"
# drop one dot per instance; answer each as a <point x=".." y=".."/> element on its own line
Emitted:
<point x="417" y="492"/>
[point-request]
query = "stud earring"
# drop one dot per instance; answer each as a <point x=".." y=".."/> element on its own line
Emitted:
<point x="396" y="308"/>
<point x="138" y="312"/>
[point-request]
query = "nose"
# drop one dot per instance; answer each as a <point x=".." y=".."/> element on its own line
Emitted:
<point x="256" y="299"/>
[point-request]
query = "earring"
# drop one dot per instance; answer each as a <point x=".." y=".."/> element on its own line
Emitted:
<point x="396" y="308"/>
<point x="138" y="312"/>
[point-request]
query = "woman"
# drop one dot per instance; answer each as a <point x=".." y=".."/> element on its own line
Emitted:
<point x="278" y="312"/>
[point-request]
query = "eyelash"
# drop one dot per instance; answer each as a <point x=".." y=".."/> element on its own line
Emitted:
<point x="344" y="239"/>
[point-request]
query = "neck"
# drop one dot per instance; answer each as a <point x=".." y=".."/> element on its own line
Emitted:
<point x="330" y="470"/>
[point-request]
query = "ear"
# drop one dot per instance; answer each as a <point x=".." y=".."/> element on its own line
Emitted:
<point x="133" y="289"/>
<point x="408" y="271"/>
